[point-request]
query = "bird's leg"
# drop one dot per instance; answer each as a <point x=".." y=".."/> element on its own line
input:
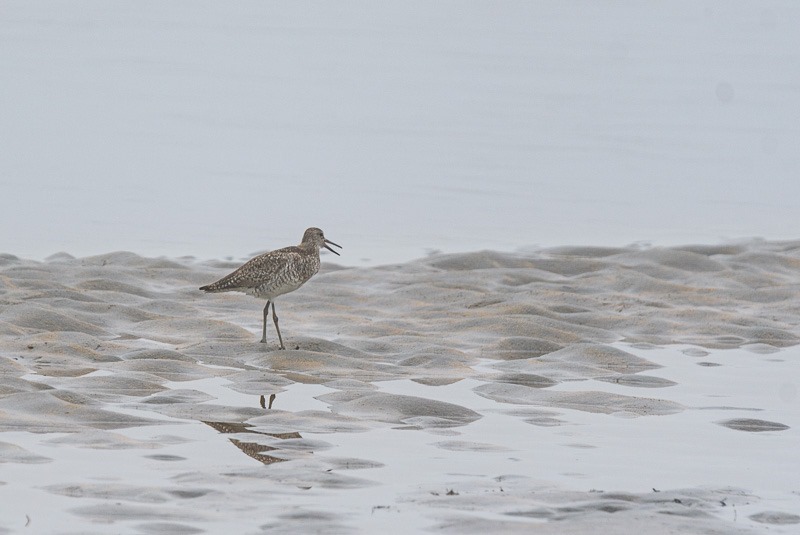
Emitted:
<point x="275" y="319"/>
<point x="264" y="330"/>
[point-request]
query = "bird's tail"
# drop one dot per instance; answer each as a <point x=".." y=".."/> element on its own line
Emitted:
<point x="210" y="288"/>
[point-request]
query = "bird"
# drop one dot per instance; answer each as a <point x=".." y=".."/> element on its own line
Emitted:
<point x="275" y="273"/>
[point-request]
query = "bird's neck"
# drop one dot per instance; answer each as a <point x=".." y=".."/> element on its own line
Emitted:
<point x="310" y="247"/>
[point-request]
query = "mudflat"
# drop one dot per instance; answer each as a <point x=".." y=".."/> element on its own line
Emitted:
<point x="574" y="389"/>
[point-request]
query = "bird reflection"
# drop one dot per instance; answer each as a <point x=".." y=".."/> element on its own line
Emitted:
<point x="263" y="401"/>
<point x="253" y="449"/>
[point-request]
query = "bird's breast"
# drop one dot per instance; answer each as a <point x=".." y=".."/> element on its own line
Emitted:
<point x="287" y="280"/>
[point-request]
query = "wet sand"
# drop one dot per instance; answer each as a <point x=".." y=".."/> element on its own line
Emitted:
<point x="574" y="389"/>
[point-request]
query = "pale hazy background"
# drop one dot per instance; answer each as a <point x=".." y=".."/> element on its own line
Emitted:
<point x="218" y="129"/>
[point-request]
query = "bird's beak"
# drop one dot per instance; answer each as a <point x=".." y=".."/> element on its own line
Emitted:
<point x="331" y="250"/>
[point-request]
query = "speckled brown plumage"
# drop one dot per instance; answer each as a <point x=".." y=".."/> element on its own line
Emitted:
<point x="276" y="273"/>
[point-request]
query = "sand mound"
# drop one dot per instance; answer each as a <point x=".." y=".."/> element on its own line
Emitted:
<point x="400" y="409"/>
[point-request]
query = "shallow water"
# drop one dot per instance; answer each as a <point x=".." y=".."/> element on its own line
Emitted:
<point x="197" y="128"/>
<point x="164" y="477"/>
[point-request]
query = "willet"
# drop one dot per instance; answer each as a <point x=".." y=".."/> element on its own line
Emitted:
<point x="276" y="273"/>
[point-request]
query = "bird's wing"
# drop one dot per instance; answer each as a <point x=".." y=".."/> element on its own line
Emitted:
<point x="255" y="271"/>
